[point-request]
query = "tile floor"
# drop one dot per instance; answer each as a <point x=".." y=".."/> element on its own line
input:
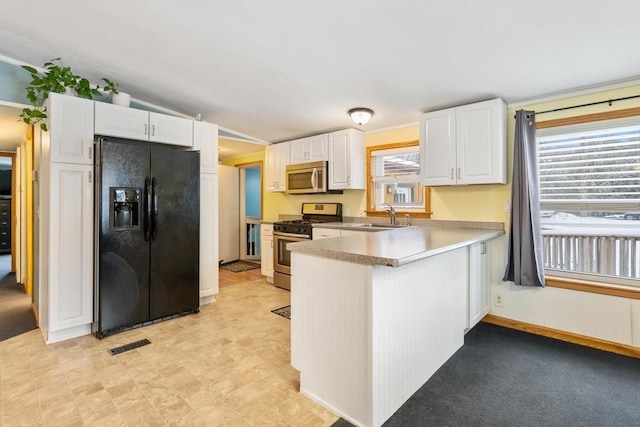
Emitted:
<point x="225" y="366"/>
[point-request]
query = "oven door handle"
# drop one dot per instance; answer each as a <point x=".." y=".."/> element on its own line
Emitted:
<point x="293" y="235"/>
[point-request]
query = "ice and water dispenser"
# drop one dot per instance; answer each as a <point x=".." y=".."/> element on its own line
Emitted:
<point x="125" y="208"/>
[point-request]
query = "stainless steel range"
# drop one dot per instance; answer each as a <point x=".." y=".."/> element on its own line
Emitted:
<point x="296" y="231"/>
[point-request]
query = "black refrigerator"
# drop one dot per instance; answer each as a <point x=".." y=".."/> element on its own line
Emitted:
<point x="147" y="233"/>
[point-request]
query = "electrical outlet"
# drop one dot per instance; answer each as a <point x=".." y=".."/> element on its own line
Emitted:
<point x="497" y="300"/>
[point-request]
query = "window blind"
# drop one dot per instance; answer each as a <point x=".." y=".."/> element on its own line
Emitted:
<point x="595" y="169"/>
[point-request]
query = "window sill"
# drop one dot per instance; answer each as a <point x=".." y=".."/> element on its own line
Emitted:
<point x="593" y="287"/>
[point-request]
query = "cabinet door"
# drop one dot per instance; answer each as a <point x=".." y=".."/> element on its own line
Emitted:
<point x="205" y="140"/>
<point x="266" y="250"/>
<point x="298" y="151"/>
<point x="346" y="160"/>
<point x="481" y="147"/>
<point x="318" y="148"/>
<point x="122" y="122"/>
<point x="70" y="124"/>
<point x="479" y="294"/>
<point x="170" y="130"/>
<point x="208" y="234"/>
<point x="325" y="233"/>
<point x="282" y="160"/>
<point x="70" y="246"/>
<point x="438" y="148"/>
<point x="270" y="168"/>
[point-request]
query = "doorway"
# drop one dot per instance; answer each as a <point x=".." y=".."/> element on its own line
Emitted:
<point x="250" y="210"/>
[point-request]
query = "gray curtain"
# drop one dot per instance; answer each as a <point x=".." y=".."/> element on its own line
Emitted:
<point x="525" y="265"/>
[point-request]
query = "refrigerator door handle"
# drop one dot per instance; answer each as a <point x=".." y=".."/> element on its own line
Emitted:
<point x="154" y="215"/>
<point x="147" y="208"/>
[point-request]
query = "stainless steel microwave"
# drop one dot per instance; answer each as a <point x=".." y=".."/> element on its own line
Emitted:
<point x="307" y="178"/>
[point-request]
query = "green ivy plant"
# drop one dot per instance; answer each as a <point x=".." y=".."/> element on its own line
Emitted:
<point x="57" y="79"/>
<point x="109" y="86"/>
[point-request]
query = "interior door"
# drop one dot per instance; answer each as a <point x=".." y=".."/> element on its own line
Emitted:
<point x="176" y="240"/>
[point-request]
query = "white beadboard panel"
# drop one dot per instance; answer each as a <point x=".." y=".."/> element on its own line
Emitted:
<point x="600" y="316"/>
<point x="593" y="315"/>
<point x="604" y="317"/>
<point x="418" y="323"/>
<point x="635" y="323"/>
<point x="330" y="330"/>
<point x="367" y="339"/>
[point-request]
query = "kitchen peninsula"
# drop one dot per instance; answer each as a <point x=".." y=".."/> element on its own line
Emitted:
<point x="375" y="314"/>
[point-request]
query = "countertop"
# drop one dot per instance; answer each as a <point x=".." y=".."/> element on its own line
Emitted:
<point x="395" y="247"/>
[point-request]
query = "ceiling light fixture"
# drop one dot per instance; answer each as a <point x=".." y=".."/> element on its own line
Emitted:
<point x="360" y="116"/>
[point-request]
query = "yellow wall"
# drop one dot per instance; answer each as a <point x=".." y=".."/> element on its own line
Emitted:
<point x="275" y="204"/>
<point x="461" y="203"/>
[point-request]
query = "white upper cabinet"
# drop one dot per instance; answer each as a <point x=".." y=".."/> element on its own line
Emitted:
<point x="310" y="149"/>
<point x="276" y="158"/>
<point x="205" y="140"/>
<point x="70" y="124"/>
<point x="123" y="122"/>
<point x="346" y="160"/>
<point x="170" y="129"/>
<point x="464" y="145"/>
<point x="438" y="147"/>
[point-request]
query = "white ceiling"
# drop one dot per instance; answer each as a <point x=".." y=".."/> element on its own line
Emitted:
<point x="282" y="69"/>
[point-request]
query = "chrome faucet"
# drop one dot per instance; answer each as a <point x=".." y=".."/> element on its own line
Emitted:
<point x="392" y="213"/>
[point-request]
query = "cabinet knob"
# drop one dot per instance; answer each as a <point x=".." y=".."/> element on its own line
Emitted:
<point x="145" y="128"/>
<point x="458" y="173"/>
<point x="452" y="173"/>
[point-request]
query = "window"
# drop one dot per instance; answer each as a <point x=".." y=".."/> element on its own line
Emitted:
<point x="590" y="199"/>
<point x="394" y="179"/>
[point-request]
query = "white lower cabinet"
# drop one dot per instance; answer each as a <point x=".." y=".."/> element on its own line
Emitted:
<point x="66" y="257"/>
<point x="208" y="237"/>
<point x="266" y="251"/>
<point x="479" y="292"/>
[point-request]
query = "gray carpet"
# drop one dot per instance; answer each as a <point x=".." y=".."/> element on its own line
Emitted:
<point x="503" y="377"/>
<point x="16" y="315"/>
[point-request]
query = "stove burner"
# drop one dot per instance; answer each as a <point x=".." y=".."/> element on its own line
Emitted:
<point x="303" y="226"/>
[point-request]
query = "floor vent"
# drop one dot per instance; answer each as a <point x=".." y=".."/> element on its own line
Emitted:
<point x="129" y="346"/>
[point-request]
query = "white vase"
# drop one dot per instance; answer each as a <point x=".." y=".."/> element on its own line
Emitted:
<point x="121" y="98"/>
